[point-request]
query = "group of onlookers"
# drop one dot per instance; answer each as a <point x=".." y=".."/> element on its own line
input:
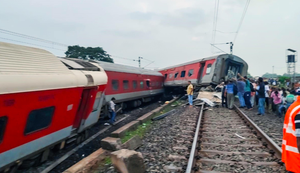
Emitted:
<point x="256" y="93"/>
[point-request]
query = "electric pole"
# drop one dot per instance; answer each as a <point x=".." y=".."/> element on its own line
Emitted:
<point x="139" y="60"/>
<point x="231" y="47"/>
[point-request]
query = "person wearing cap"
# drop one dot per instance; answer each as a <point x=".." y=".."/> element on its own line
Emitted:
<point x="247" y="94"/>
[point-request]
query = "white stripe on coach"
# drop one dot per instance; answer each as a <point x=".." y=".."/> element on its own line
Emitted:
<point x="32" y="146"/>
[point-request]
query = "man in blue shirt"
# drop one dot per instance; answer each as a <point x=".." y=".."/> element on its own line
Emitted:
<point x="241" y="91"/>
<point x="229" y="94"/>
<point x="247" y="94"/>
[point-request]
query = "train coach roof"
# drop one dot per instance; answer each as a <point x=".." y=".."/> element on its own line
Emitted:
<point x="191" y="62"/>
<point x="23" y="59"/>
<point x="25" y="69"/>
<point x="126" y="69"/>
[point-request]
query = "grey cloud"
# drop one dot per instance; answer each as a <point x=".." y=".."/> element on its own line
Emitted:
<point x="129" y="33"/>
<point x="183" y="18"/>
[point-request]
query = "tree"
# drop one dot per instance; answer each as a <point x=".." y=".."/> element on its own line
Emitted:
<point x="282" y="79"/>
<point x="94" y="53"/>
<point x="249" y="75"/>
<point x="269" y="75"/>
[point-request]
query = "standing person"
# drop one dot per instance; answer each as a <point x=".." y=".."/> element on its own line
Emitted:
<point x="261" y="97"/>
<point x="229" y="94"/>
<point x="190" y="93"/>
<point x="112" y="112"/>
<point x="247" y="94"/>
<point x="253" y="93"/>
<point x="291" y="138"/>
<point x="277" y="101"/>
<point x="267" y="89"/>
<point x="241" y="90"/>
<point x="224" y="98"/>
<point x="256" y="93"/>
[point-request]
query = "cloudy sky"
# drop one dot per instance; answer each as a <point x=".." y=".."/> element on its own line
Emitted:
<point x="167" y="32"/>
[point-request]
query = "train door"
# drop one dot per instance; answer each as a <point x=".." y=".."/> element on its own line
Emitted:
<point x="83" y="106"/>
<point x="200" y="74"/>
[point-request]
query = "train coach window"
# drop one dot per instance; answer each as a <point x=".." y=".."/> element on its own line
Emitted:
<point x="39" y="119"/>
<point x="134" y="84"/>
<point x="142" y="84"/>
<point x="125" y="84"/>
<point x="182" y="73"/>
<point x="191" y="72"/>
<point x="170" y="75"/>
<point x="166" y="75"/>
<point x="3" y="121"/>
<point x="208" y="68"/>
<point x="176" y="74"/>
<point x="115" y="84"/>
<point x="148" y="83"/>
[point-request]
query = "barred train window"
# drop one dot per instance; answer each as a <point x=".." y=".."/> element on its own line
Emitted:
<point x="39" y="119"/>
<point x="134" y="84"/>
<point x="182" y="74"/>
<point x="3" y="121"/>
<point x="142" y="84"/>
<point x="208" y="69"/>
<point x="125" y="84"/>
<point x="115" y="84"/>
<point x="191" y="72"/>
<point x="176" y="74"/>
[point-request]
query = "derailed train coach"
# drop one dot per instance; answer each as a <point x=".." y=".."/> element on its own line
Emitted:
<point x="205" y="71"/>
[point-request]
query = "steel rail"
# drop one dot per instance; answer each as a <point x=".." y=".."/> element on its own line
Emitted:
<point x="271" y="144"/>
<point x="191" y="162"/>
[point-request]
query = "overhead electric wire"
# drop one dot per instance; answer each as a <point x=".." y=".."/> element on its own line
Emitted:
<point x="30" y="43"/>
<point x="31" y="37"/>
<point x="215" y="22"/>
<point x="242" y="19"/>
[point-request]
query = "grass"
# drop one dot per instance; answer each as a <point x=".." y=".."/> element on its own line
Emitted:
<point x="140" y="131"/>
<point x="167" y="108"/>
<point x="107" y="160"/>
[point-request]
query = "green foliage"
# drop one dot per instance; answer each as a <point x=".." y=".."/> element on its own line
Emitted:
<point x="282" y="79"/>
<point x="140" y="131"/>
<point x="269" y="75"/>
<point x="93" y="53"/>
<point x="249" y="75"/>
<point x="107" y="161"/>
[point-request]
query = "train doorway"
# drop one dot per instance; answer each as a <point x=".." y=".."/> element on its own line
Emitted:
<point x="83" y="106"/>
<point x="200" y="74"/>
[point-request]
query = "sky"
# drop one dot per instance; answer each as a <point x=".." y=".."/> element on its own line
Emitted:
<point x="163" y="32"/>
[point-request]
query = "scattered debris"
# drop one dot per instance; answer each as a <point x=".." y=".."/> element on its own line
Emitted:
<point x="239" y="136"/>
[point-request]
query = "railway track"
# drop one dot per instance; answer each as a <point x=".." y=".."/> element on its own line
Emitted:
<point x="228" y="141"/>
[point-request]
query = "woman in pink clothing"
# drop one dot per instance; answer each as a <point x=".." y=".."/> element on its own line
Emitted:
<point x="276" y="100"/>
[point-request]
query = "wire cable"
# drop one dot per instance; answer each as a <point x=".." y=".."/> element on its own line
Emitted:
<point x="242" y="19"/>
<point x="30" y="43"/>
<point x="31" y="37"/>
<point x="215" y="22"/>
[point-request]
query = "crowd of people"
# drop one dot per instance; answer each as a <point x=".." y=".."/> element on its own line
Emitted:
<point x="258" y="94"/>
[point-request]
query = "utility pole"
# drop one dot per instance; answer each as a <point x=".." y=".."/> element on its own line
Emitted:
<point x="139" y="60"/>
<point x="231" y="47"/>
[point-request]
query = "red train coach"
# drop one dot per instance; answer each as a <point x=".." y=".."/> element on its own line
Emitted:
<point x="131" y="86"/>
<point x="42" y="103"/>
<point x="206" y="71"/>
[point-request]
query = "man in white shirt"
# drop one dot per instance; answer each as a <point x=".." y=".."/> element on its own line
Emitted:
<point x="112" y="112"/>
